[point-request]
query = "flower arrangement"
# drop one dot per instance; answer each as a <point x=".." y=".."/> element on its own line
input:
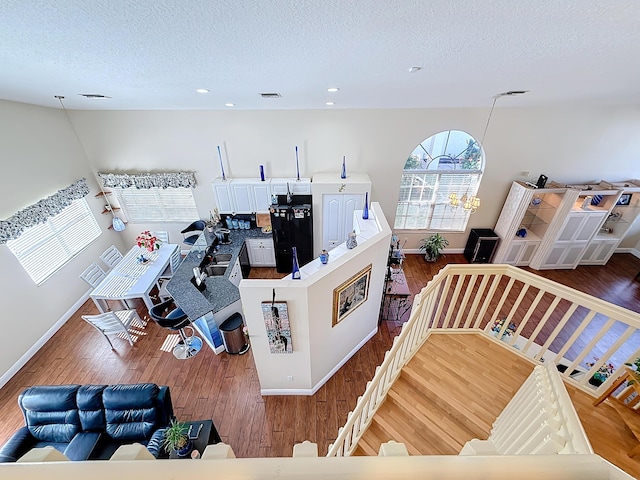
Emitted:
<point x="603" y="372"/>
<point x="148" y="241"/>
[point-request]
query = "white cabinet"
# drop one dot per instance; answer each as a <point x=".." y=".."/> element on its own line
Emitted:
<point x="579" y="227"/>
<point x="617" y="224"/>
<point x="538" y="211"/>
<point x="296" y="187"/>
<point x="261" y="252"/>
<point x="222" y="194"/>
<point x="242" y="195"/>
<point x="520" y="252"/>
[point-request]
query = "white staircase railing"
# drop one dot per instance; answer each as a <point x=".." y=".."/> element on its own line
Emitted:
<point x="538" y="420"/>
<point x="543" y="320"/>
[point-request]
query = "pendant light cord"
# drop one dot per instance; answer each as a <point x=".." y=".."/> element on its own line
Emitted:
<point x="86" y="156"/>
<point x="486" y="127"/>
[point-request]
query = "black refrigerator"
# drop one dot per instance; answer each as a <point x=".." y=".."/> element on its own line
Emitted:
<point x="292" y="226"/>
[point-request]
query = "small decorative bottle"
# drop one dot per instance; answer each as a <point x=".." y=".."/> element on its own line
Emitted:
<point x="343" y="174"/>
<point x="352" y="242"/>
<point x="365" y="210"/>
<point x="324" y="257"/>
<point x="295" y="272"/>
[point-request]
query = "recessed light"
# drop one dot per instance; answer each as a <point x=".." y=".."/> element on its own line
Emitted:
<point x="330" y="103"/>
<point x="414" y="69"/>
<point x="229" y="104"/>
<point x="332" y="89"/>
<point x="202" y="90"/>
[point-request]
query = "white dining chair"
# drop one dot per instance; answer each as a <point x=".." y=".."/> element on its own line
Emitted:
<point x="93" y="275"/>
<point x="174" y="263"/>
<point x="111" y="256"/>
<point x="161" y="235"/>
<point x="110" y="323"/>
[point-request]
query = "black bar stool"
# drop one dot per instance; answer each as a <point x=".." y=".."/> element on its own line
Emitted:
<point x="176" y="319"/>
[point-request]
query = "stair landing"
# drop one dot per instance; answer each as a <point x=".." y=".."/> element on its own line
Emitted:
<point x="451" y="391"/>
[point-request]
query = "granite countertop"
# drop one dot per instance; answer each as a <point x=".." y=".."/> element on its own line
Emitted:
<point x="219" y="292"/>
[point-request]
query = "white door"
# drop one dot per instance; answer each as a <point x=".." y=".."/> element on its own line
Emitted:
<point x="337" y="217"/>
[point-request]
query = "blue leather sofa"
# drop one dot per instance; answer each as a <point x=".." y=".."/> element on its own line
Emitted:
<point x="89" y="422"/>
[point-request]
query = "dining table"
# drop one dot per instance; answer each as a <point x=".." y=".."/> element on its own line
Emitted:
<point x="133" y="277"/>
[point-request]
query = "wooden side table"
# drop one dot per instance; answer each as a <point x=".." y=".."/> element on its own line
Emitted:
<point x="206" y="435"/>
<point x="395" y="302"/>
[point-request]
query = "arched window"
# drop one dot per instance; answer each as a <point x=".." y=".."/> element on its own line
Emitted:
<point x="445" y="163"/>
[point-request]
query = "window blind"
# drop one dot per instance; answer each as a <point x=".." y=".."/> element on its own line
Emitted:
<point x="45" y="248"/>
<point x="151" y="205"/>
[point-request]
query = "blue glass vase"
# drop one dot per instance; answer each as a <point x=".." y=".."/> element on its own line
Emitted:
<point x="343" y="174"/>
<point x="365" y="210"/>
<point x="295" y="272"/>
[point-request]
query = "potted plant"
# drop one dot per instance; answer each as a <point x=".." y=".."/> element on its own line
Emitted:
<point x="433" y="246"/>
<point x="176" y="437"/>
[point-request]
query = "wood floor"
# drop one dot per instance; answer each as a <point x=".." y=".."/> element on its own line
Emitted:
<point x="451" y="391"/>
<point x="225" y="387"/>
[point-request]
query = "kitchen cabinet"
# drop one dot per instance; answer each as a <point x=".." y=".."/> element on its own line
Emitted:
<point x="261" y="252"/>
<point x="222" y="194"/>
<point x="296" y="187"/>
<point x="242" y="195"/>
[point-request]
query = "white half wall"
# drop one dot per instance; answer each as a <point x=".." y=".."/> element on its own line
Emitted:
<point x="318" y="348"/>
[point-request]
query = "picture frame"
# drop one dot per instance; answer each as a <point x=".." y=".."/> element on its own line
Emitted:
<point x="349" y="295"/>
<point x="625" y="199"/>
<point x="276" y="321"/>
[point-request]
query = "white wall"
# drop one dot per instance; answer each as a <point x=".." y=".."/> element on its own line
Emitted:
<point x="40" y="155"/>
<point x="567" y="144"/>
<point x="318" y="347"/>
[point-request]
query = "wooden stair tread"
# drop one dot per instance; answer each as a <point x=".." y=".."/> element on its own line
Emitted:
<point x="446" y="395"/>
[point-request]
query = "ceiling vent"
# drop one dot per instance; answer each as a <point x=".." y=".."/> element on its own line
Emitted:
<point x="93" y="95"/>
<point x="270" y="95"/>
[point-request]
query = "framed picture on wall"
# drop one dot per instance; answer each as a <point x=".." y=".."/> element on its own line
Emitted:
<point x="350" y="295"/>
<point x="625" y="199"/>
<point x="276" y="320"/>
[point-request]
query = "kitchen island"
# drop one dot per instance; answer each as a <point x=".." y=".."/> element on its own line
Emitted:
<point x="220" y="298"/>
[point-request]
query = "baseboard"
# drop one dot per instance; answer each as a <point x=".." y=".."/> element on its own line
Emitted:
<point x="317" y="386"/>
<point x="41" y="342"/>
<point x="444" y="252"/>
<point x="633" y="251"/>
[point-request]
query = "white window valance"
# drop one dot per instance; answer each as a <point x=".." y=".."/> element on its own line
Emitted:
<point x="40" y="212"/>
<point x="148" y="180"/>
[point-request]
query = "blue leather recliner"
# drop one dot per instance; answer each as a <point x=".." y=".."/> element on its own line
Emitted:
<point x="89" y="422"/>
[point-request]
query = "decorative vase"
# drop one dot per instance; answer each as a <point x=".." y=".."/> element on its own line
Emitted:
<point x="365" y="210"/>
<point x="324" y="257"/>
<point x="262" y="173"/>
<point x="295" y="271"/>
<point x="343" y="174"/>
<point x="351" y="240"/>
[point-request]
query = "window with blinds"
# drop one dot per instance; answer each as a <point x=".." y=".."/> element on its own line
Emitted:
<point x="148" y="205"/>
<point x="44" y="249"/>
<point x="445" y="163"/>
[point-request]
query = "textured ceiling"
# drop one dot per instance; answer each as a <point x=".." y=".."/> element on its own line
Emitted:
<point x="153" y="54"/>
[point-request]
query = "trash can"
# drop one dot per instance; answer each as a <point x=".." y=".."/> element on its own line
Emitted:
<point x="233" y="336"/>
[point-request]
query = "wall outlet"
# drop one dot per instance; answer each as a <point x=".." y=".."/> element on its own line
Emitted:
<point x="525" y="173"/>
<point x="290" y="378"/>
